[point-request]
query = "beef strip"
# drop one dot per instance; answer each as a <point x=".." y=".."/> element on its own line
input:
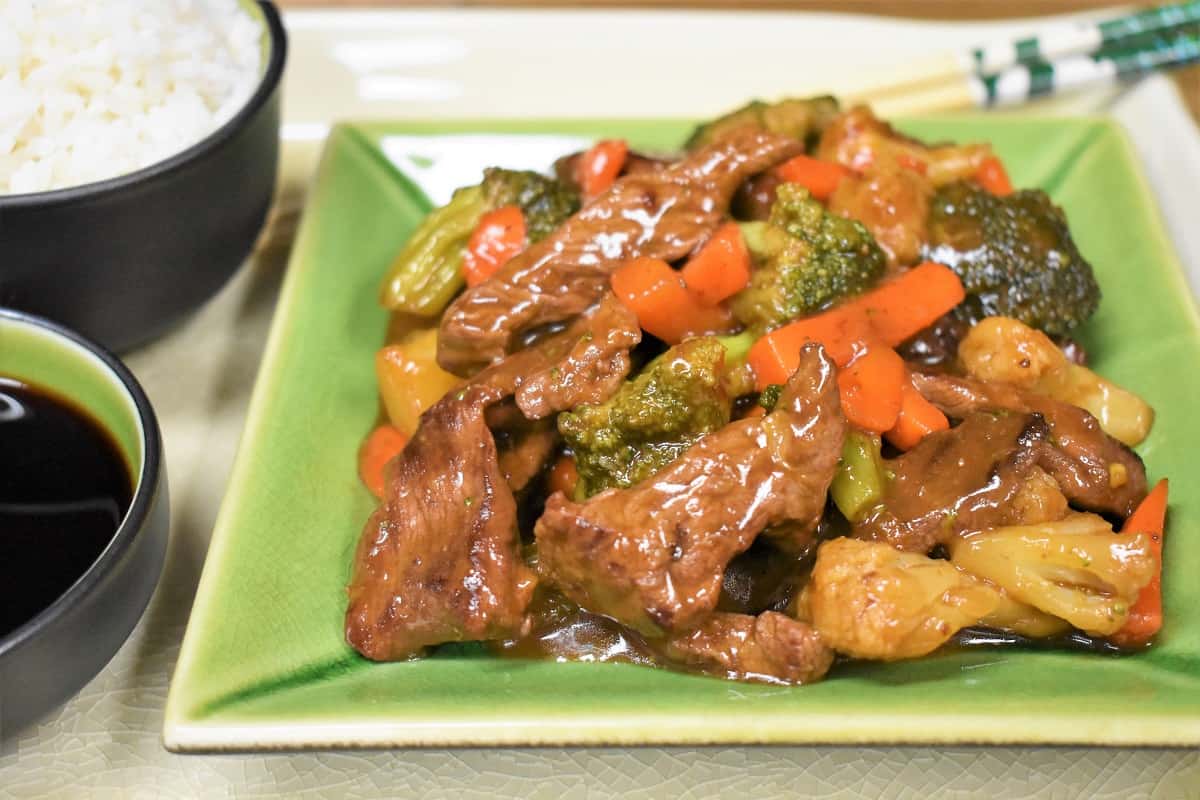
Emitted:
<point x="439" y="560"/>
<point x="754" y="198"/>
<point x="652" y="556"/>
<point x="964" y="479"/>
<point x="770" y="648"/>
<point x="1094" y="470"/>
<point x="583" y="363"/>
<point x="663" y="214"/>
<point x="523" y="451"/>
<point x="592" y="370"/>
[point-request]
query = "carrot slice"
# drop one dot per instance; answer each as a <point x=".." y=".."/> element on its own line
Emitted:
<point x="871" y="389"/>
<point x="564" y="476"/>
<point x="821" y="178"/>
<point x="918" y="418"/>
<point x="1146" y="615"/>
<point x="722" y="267"/>
<point x="889" y="314"/>
<point x="499" y="236"/>
<point x="600" y="166"/>
<point x="843" y="333"/>
<point x="381" y="446"/>
<point x="655" y="293"/>
<point x="912" y="301"/>
<point x="663" y="305"/>
<point x="992" y="176"/>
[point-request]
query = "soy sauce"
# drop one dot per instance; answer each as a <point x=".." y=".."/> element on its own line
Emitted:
<point x="64" y="489"/>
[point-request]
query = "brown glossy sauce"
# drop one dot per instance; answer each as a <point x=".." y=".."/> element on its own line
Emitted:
<point x="1077" y="641"/>
<point x="562" y="631"/>
<point x="64" y="489"/>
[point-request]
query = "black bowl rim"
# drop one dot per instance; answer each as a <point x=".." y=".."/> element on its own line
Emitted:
<point x="145" y="489"/>
<point x="266" y="87"/>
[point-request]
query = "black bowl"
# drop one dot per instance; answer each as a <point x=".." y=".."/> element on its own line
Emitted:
<point x="50" y="658"/>
<point x="122" y="260"/>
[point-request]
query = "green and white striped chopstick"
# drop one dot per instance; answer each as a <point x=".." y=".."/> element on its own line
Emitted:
<point x="1079" y="38"/>
<point x="1058" y="59"/>
<point x="1038" y="78"/>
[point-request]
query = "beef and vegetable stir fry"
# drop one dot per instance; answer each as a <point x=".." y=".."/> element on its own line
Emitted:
<point x="806" y="391"/>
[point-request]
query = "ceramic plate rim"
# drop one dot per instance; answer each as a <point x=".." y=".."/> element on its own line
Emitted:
<point x="182" y="733"/>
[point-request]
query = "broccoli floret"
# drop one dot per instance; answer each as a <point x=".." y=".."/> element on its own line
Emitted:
<point x="803" y="119"/>
<point x="807" y="259"/>
<point x="546" y="202"/>
<point x="652" y="419"/>
<point x="769" y="397"/>
<point x="1015" y="256"/>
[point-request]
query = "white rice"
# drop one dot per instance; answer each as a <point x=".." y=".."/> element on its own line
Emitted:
<point x="92" y="89"/>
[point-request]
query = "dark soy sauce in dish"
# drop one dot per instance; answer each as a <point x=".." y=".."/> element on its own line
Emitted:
<point x="64" y="489"/>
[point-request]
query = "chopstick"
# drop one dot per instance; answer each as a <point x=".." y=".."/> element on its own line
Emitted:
<point x="1024" y="82"/>
<point x="1059" y="59"/>
<point x="1082" y="37"/>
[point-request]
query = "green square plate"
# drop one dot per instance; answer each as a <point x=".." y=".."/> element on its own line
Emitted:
<point x="264" y="664"/>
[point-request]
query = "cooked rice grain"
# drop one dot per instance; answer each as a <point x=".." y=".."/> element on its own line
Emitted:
<point x="92" y="89"/>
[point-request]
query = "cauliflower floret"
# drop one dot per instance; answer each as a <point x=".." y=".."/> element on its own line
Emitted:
<point x="1022" y="618"/>
<point x="869" y="600"/>
<point x="1005" y="350"/>
<point x="1077" y="569"/>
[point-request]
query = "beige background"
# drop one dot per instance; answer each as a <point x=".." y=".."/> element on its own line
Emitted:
<point x="106" y="742"/>
<point x="1187" y="78"/>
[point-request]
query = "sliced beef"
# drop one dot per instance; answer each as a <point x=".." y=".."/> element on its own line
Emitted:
<point x="964" y="479"/>
<point x="769" y="648"/>
<point x="652" y="556"/>
<point x="594" y="367"/>
<point x="439" y="560"/>
<point x="585" y="362"/>
<point x="755" y="197"/>
<point x="1094" y="470"/>
<point x="663" y="214"/>
<point x="524" y="449"/>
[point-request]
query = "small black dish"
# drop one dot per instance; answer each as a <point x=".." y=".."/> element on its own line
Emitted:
<point x="53" y="655"/>
<point x="122" y="260"/>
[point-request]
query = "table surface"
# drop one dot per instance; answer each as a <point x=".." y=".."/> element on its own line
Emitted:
<point x="1187" y="79"/>
<point x="106" y="741"/>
